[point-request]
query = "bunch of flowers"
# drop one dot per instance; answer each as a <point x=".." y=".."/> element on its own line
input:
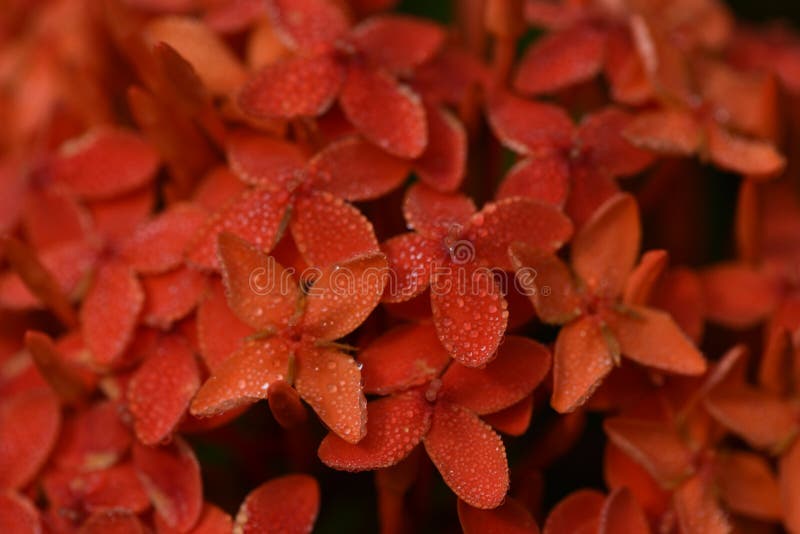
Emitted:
<point x="533" y="269"/>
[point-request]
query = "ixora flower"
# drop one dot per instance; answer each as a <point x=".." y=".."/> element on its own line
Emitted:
<point x="440" y="403"/>
<point x="599" y="301"/>
<point x="453" y="249"/>
<point x="294" y="333"/>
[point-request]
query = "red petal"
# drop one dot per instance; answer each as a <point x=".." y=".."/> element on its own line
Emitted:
<point x="18" y="515"/>
<point x="578" y="512"/>
<point x="583" y="357"/>
<point x="117" y="219"/>
<point x="561" y="59"/>
<point x="501" y="223"/>
<point x="264" y="161"/>
<point x="244" y="377"/>
<point x="309" y="26"/>
<point x="545" y="179"/>
<point x="212" y="521"/>
<point x="509" y="518"/>
<point x="762" y="419"/>
<point x="681" y="294"/>
<point x="600" y="137"/>
<point x="432" y="213"/>
<point x="260" y="291"/>
<point x="343" y="296"/>
<point x="285" y="404"/>
<point x="217" y="188"/>
<point x="748" y="486"/>
<point x="653" y="445"/>
<point x="294" y="87"/>
<point x="105" y="163"/>
<point x="621" y="471"/>
<point x="287" y="504"/>
<point x="328" y="230"/>
<point x="652" y="338"/>
<point x="788" y="468"/>
<point x="442" y="165"/>
<point x="697" y="509"/>
<point x="469" y="312"/>
<point x="330" y="382"/>
<point x="405" y="356"/>
<point x="520" y="365"/>
<point x="548" y="283"/>
<point x="644" y="277"/>
<point x="53" y="216"/>
<point x="113" y="522"/>
<point x="159" y="245"/>
<point x="411" y="261"/>
<point x="737" y="295"/>
<point x="526" y="127"/>
<point x="220" y="333"/>
<point x="26" y="419"/>
<point x="160" y="390"/>
<point x="607" y="247"/>
<point x="588" y="191"/>
<point x="110" y="312"/>
<point x="621" y="513"/>
<point x="753" y="157"/>
<point x="395" y="425"/>
<point x="171" y="476"/>
<point x="625" y="71"/>
<point x="396" y="42"/>
<point x="514" y="420"/>
<point x="255" y="216"/>
<point x="82" y="448"/>
<point x="469" y="455"/>
<point x="669" y="132"/>
<point x="113" y="487"/>
<point x="171" y="296"/>
<point x="64" y="378"/>
<point x="353" y="169"/>
<point x="386" y="113"/>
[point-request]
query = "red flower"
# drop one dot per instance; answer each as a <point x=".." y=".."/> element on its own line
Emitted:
<point x="286" y="504"/>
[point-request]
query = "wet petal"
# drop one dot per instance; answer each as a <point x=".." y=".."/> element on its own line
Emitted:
<point x="293" y="87"/>
<point x="607" y="247"/>
<point x="697" y="509"/>
<point x="653" y="445"/>
<point x="115" y="521"/>
<point x="601" y="140"/>
<point x="28" y="418"/>
<point x="220" y="333"/>
<point x="578" y="512"/>
<point x="105" y="163"/>
<point x="244" y="377"/>
<point x="81" y="448"/>
<point x="395" y="425"/>
<point x="514" y="420"/>
<point x="171" y="477"/>
<point x="53" y="216"/>
<point x="396" y="42"/>
<point x="255" y="216"/>
<point x="669" y="132"/>
<point x="217" y="188"/>
<point x="561" y="59"/>
<point x="442" y="165"/>
<point x="760" y="418"/>
<point x="171" y="296"/>
<point x="652" y="338"/>
<point x="526" y="127"/>
<point x="405" y="356"/>
<point x="285" y="404"/>
<point x="680" y="293"/>
<point x="353" y="169"/>
<point x="116" y="219"/>
<point x="110" y="312"/>
<point x="747" y="485"/>
<point x="65" y="379"/>
<point x="114" y="487"/>
<point x="432" y="213"/>
<point x="386" y="113"/>
<point x="265" y="161"/>
<point x="328" y="230"/>
<point x="548" y="283"/>
<point x="621" y="513"/>
<point x="308" y="26"/>
<point x="161" y="389"/>
<point x="260" y="291"/>
<point x="501" y="223"/>
<point x="545" y="179"/>
<point x="343" y="296"/>
<point x="737" y="295"/>
<point x="287" y="504"/>
<point x="411" y="261"/>
<point x="18" y="514"/>
<point x="509" y="518"/>
<point x="520" y="365"/>
<point x="583" y="357"/>
<point x="469" y="455"/>
<point x="212" y="521"/>
<point x="469" y="312"/>
<point x="624" y="69"/>
<point x="160" y="244"/>
<point x="753" y="157"/>
<point x="330" y="382"/>
<point x="644" y="277"/>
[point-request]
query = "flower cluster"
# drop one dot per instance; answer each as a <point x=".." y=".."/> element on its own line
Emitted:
<point x="537" y="269"/>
